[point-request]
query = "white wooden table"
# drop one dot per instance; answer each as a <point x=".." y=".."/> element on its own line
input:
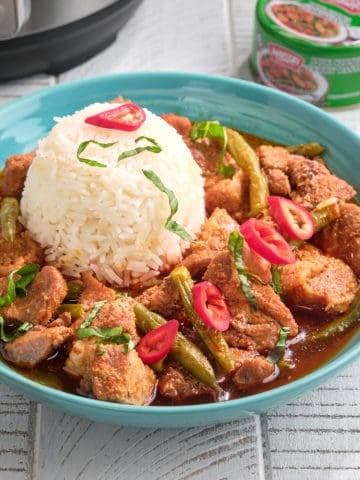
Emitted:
<point x="316" y="437"/>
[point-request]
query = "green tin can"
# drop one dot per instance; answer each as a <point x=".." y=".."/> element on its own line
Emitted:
<point x="310" y="49"/>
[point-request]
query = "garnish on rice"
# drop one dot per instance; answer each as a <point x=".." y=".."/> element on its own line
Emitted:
<point x="154" y="147"/>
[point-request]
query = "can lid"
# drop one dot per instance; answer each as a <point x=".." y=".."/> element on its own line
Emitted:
<point x="325" y="24"/>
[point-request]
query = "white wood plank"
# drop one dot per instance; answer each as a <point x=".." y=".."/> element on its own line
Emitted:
<point x="318" y="436"/>
<point x="73" y="448"/>
<point x="178" y="35"/>
<point x="15" y="435"/>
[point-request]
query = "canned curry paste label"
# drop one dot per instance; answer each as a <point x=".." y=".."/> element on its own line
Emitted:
<point x="310" y="49"/>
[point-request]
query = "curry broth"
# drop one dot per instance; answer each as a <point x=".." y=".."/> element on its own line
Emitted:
<point x="299" y="360"/>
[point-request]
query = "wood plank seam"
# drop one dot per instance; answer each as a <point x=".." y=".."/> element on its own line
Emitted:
<point x="34" y="439"/>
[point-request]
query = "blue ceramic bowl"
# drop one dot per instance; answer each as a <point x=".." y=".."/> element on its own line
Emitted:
<point x="245" y="106"/>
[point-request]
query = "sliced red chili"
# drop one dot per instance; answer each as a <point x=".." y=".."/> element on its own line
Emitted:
<point x="293" y="219"/>
<point x="210" y="305"/>
<point x="267" y="242"/>
<point x="127" y="117"/>
<point x="157" y="343"/>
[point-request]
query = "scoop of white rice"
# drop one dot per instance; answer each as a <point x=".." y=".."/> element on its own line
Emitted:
<point x="111" y="220"/>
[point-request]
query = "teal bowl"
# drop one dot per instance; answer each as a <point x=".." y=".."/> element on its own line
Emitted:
<point x="242" y="105"/>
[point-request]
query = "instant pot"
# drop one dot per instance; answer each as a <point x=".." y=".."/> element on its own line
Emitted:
<point x="54" y="35"/>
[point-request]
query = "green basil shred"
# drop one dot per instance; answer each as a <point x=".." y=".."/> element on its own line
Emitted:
<point x="94" y="311"/>
<point x="112" y="334"/>
<point x="153" y="147"/>
<point x="280" y="346"/>
<point x="18" y="287"/>
<point x="89" y="161"/>
<point x="170" y="224"/>
<point x="217" y="131"/>
<point x="235" y="245"/>
<point x="6" y="338"/>
<point x="276" y="279"/>
<point x="106" y="335"/>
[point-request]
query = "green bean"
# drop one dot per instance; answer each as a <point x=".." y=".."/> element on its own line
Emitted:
<point x="158" y="366"/>
<point x="247" y="159"/>
<point x="325" y="212"/>
<point x="194" y="361"/>
<point x="311" y="149"/>
<point x="213" y="339"/>
<point x="9" y="212"/>
<point x="339" y="325"/>
<point x="184" y="351"/>
<point x="75" y="309"/>
<point x="74" y="290"/>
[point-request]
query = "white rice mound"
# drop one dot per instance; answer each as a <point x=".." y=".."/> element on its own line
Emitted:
<point x="111" y="220"/>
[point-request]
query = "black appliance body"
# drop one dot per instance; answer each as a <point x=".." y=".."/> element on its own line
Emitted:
<point x="51" y="36"/>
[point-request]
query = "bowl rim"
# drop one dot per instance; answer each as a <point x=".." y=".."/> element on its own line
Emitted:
<point x="170" y="75"/>
<point x="243" y="404"/>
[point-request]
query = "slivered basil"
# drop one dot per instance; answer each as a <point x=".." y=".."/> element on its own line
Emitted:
<point x="112" y="335"/>
<point x="217" y="131"/>
<point x="6" y="338"/>
<point x="94" y="311"/>
<point x="17" y="287"/>
<point x="170" y="224"/>
<point x="153" y="147"/>
<point x="276" y="279"/>
<point x="235" y="245"/>
<point x="280" y="346"/>
<point x="89" y="161"/>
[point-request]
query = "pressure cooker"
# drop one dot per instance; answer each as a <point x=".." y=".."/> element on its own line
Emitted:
<point x="52" y="36"/>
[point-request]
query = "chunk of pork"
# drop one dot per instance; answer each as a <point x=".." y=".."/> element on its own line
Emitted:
<point x="121" y="377"/>
<point x="318" y="283"/>
<point x="258" y="330"/>
<point x="94" y="291"/>
<point x="36" y="345"/>
<point x="253" y="371"/>
<point x="214" y="235"/>
<point x="341" y="239"/>
<point x="44" y="296"/>
<point x="231" y="194"/>
<point x="118" y="313"/>
<point x="15" y="171"/>
<point x="274" y="162"/>
<point x="83" y="354"/>
<point x="22" y="251"/>
<point x="179" y="386"/>
<point x="113" y="375"/>
<point x="310" y="181"/>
